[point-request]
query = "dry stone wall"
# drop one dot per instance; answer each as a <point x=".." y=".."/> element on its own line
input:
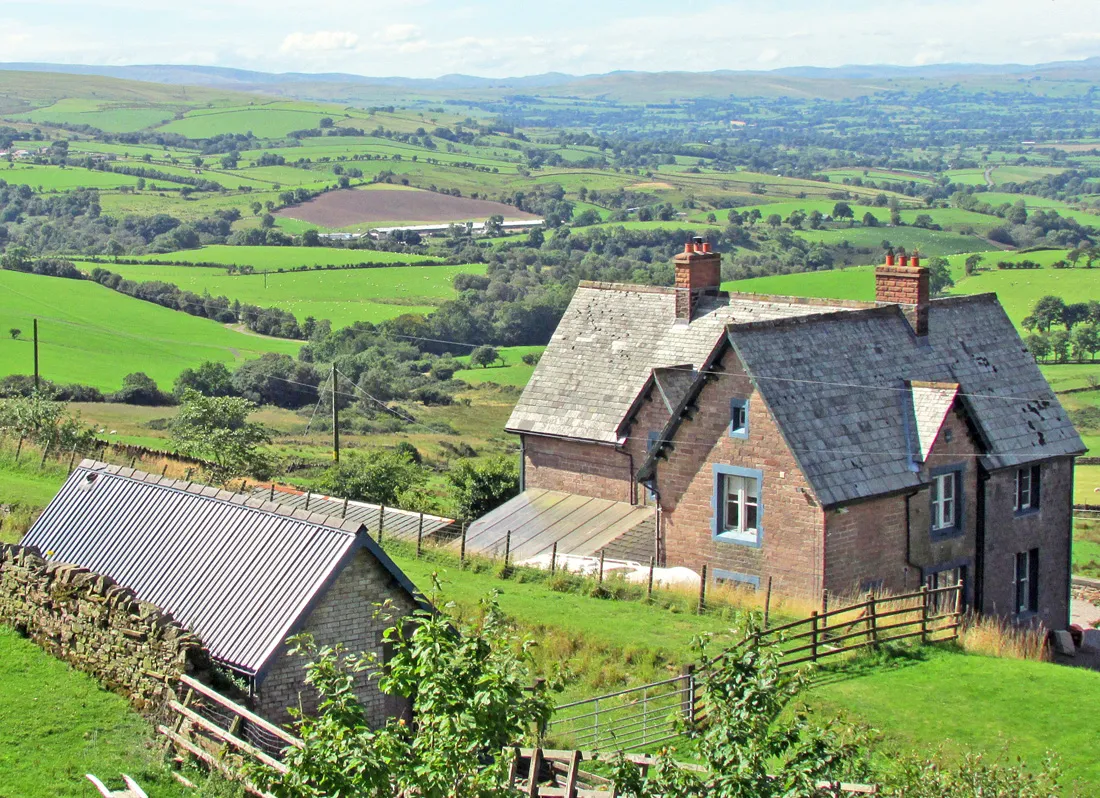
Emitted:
<point x="131" y="647"/>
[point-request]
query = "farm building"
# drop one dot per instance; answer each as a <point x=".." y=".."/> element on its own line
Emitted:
<point x="242" y="573"/>
<point x="811" y="444"/>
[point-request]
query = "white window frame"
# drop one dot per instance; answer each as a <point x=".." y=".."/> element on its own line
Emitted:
<point x="945" y="508"/>
<point x="739" y="489"/>
<point x="1028" y="583"/>
<point x="1026" y="482"/>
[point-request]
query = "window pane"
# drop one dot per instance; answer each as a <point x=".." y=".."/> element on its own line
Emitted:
<point x="733" y="513"/>
<point x="948" y="486"/>
<point x="750" y="515"/>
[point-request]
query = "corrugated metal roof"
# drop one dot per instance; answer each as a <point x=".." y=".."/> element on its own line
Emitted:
<point x="537" y="519"/>
<point x="396" y="523"/>
<point x="238" y="571"/>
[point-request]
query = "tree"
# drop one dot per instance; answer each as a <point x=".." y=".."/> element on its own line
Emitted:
<point x="1038" y="344"/>
<point x="267" y="221"/>
<point x="973" y="263"/>
<point x="326" y="122"/>
<point x="311" y="238"/>
<point x="217" y="429"/>
<point x="484" y="356"/>
<point x="1085" y="341"/>
<point x="842" y="210"/>
<point x="1075" y="313"/>
<point x="531" y="358"/>
<point x="774" y="220"/>
<point x="469" y="689"/>
<point x="796" y="219"/>
<point x="1047" y="312"/>
<point x="15" y="332"/>
<point x="256" y="208"/>
<point x="870" y="220"/>
<point x="210" y="379"/>
<point x="1059" y="344"/>
<point x="816" y="217"/>
<point x="939" y="276"/>
<point x="479" y="488"/>
<point x="139" y="388"/>
<point x="16" y="259"/>
<point x="378" y="477"/>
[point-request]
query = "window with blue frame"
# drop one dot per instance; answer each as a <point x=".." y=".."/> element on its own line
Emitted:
<point x="946" y="501"/>
<point x="738" y="510"/>
<point x="739" y="418"/>
<point x="651" y="439"/>
<point x="735" y="579"/>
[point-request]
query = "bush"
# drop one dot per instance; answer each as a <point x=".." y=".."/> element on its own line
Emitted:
<point x="139" y="388"/>
<point x="482" y="487"/>
<point x="377" y="477"/>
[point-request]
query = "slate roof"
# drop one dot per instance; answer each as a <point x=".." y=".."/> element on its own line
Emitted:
<point x="240" y="572"/>
<point x="839" y="386"/>
<point x="608" y="343"/>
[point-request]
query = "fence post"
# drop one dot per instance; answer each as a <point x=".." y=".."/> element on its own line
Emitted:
<point x="554" y="558"/>
<point x="133" y="460"/>
<point x="419" y="536"/>
<point x="768" y="603"/>
<point x="507" y="548"/>
<point x="649" y="588"/>
<point x="164" y="470"/>
<point x="824" y="610"/>
<point x="271" y="498"/>
<point x="309" y="495"/>
<point x="19" y="448"/>
<point x="872" y="621"/>
<point x="924" y="614"/>
<point x="533" y="774"/>
<point x="381" y="521"/>
<point x="188" y="477"/>
<point x="462" y="548"/>
<point x="703" y="591"/>
<point x="46" y="451"/>
<point x="344" y="512"/>
<point x="72" y="459"/>
<point x="813" y="636"/>
<point x="601" y="566"/>
<point x="687" y="702"/>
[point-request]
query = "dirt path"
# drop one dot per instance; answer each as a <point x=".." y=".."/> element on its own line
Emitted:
<point x="245" y="331"/>
<point x="988" y="175"/>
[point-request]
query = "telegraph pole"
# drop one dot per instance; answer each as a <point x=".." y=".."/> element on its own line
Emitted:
<point x="335" y="419"/>
<point x="36" y="355"/>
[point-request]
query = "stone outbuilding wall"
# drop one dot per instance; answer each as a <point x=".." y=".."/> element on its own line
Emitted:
<point x="131" y="647"/>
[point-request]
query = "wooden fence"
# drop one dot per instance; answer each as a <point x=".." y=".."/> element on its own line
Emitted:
<point x="223" y="734"/>
<point x="549" y="773"/>
<point x="932" y="614"/>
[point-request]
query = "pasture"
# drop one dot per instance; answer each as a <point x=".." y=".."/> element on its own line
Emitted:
<point x="265" y="121"/>
<point x="349" y="207"/>
<point x="283" y="257"/>
<point x="61" y="178"/>
<point x="928" y="242"/>
<point x="510" y="370"/>
<point x="343" y="296"/>
<point x="93" y="335"/>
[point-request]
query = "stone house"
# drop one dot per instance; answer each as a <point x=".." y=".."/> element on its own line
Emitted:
<point x="815" y="444"/>
<point x="241" y="573"/>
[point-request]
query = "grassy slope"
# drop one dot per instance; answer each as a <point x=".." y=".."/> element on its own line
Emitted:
<point x="283" y="257"/>
<point x="92" y="335"/>
<point x="512" y="372"/>
<point x="56" y="725"/>
<point x="976" y="703"/>
<point x="343" y="296"/>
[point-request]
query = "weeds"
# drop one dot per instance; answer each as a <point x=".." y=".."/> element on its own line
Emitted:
<point x="994" y="637"/>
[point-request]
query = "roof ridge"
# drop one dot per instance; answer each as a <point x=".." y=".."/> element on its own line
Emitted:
<point x="857" y="304"/>
<point x="218" y="494"/>
<point x="601" y="285"/>
<point x="813" y="318"/>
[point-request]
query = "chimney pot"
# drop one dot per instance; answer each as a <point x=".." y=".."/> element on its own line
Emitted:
<point x="915" y="261"/>
<point x="903" y="260"/>
<point x="706" y="246"/>
<point x="687" y="247"/>
<point x="890" y="260"/>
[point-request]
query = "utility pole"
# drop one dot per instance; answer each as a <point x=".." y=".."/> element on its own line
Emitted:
<point x="335" y="419"/>
<point x="36" y="355"/>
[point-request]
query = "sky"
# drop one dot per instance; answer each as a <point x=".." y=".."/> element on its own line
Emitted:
<point x="494" y="38"/>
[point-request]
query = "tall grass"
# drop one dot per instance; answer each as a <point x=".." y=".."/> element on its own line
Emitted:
<point x="995" y="637"/>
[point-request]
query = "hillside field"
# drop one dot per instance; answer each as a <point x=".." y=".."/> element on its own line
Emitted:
<point x="94" y="336"/>
<point x="282" y="257"/>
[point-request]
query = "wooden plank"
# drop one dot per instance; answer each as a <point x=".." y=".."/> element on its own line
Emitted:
<point x="211" y="760"/>
<point x="571" y="776"/>
<point x="533" y="774"/>
<point x="228" y="737"/>
<point x="251" y="717"/>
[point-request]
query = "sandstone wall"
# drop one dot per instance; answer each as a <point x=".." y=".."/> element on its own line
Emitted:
<point x="98" y="626"/>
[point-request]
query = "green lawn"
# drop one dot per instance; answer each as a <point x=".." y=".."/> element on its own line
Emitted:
<point x="973" y="703"/>
<point x="513" y="371"/>
<point x="343" y="296"/>
<point x="60" y="178"/>
<point x="95" y="336"/>
<point x="283" y="257"/>
<point x="56" y="724"/>
<point x="1086" y="546"/>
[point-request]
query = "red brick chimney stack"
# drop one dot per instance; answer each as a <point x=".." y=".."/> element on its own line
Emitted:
<point x="905" y="284"/>
<point x="698" y="272"/>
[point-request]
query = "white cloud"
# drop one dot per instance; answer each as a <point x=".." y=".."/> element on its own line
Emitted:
<point x="768" y="56"/>
<point x="402" y="32"/>
<point x="322" y="40"/>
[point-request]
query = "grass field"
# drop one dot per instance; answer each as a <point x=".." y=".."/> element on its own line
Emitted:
<point x="513" y="371"/>
<point x="928" y="242"/>
<point x="56" y="724"/>
<point x="95" y="336"/>
<point x="283" y="257"/>
<point x="62" y="178"/>
<point x="265" y="122"/>
<point x="343" y="296"/>
<point x="998" y="707"/>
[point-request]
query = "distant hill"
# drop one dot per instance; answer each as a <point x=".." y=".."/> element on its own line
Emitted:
<point x="825" y="82"/>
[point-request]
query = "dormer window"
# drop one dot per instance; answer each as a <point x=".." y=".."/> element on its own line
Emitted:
<point x="739" y="418"/>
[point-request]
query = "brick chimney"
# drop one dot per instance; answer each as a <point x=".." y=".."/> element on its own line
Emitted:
<point x="698" y="272"/>
<point x="905" y="283"/>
